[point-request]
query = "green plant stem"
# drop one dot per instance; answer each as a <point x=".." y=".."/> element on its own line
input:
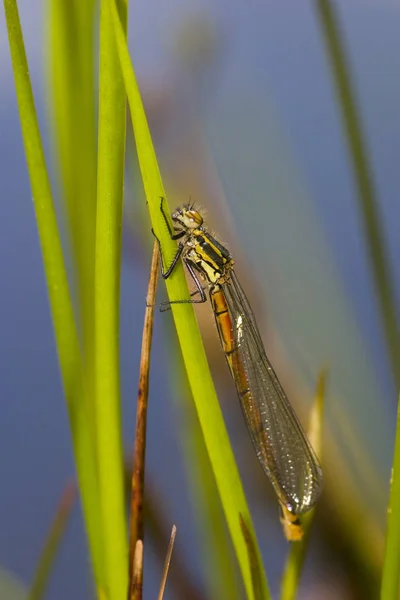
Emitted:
<point x="219" y="561"/>
<point x="366" y="194"/>
<point x="202" y="387"/>
<point x="391" y="564"/>
<point x="379" y="262"/>
<point x="71" y="65"/>
<point x="295" y="561"/>
<point x="68" y="347"/>
<point x="111" y="155"/>
<point x="72" y="68"/>
<point x="256" y="575"/>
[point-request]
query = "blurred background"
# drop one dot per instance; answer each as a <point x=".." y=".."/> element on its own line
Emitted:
<point x="244" y="117"/>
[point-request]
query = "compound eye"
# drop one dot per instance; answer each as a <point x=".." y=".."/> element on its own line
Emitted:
<point x="195" y="218"/>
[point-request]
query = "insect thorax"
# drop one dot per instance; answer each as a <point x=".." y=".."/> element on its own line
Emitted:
<point x="208" y="256"/>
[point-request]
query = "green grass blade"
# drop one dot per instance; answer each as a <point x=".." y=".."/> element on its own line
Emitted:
<point x="202" y="387"/>
<point x="256" y="573"/>
<point x="366" y="194"/>
<point x="391" y="565"/>
<point x="379" y="262"/>
<point x="219" y="563"/>
<point x="297" y="554"/>
<point x="111" y="155"/>
<point x="217" y="560"/>
<point x="68" y="348"/>
<point x="72" y="84"/>
<point x="71" y="68"/>
<point x="52" y="543"/>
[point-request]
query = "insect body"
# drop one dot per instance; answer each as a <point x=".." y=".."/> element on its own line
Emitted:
<point x="277" y="435"/>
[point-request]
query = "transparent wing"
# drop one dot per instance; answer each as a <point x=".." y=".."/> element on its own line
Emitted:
<point x="279" y="440"/>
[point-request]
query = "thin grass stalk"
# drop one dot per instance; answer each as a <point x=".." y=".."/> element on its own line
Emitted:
<point x="167" y="563"/>
<point x="378" y="255"/>
<point x="362" y="171"/>
<point x="52" y="543"/>
<point x="136" y="531"/>
<point x="156" y="524"/>
<point x="390" y="585"/>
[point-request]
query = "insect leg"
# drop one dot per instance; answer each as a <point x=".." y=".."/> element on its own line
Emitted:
<point x="166" y="273"/>
<point x="200" y="290"/>
<point x="173" y="236"/>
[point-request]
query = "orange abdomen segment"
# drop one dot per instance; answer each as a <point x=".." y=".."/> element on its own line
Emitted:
<point x="230" y="346"/>
<point x="228" y="340"/>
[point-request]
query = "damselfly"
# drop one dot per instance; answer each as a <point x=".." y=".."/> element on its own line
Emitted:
<point x="277" y="435"/>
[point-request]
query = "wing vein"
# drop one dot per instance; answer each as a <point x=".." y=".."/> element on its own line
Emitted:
<point x="277" y="435"/>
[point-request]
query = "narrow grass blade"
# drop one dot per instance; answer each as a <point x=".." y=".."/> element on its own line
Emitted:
<point x="52" y="543"/>
<point x="219" y="561"/>
<point x="71" y="73"/>
<point x="202" y="387"/>
<point x="297" y="554"/>
<point x="68" y="347"/>
<point x="71" y="66"/>
<point x="391" y="565"/>
<point x="110" y="170"/>
<point x="379" y="262"/>
<point x="136" y="531"/>
<point x="167" y="563"/>
<point x="366" y="193"/>
<point x="256" y="573"/>
<point x="156" y="523"/>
